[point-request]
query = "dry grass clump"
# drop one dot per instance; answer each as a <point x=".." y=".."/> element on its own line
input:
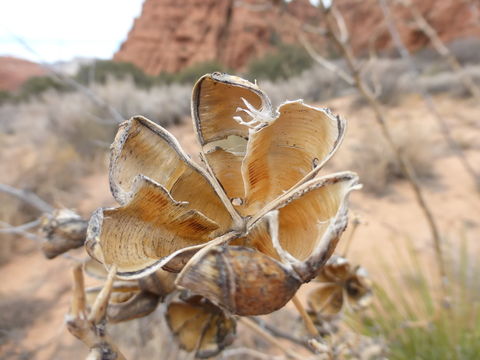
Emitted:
<point x="314" y="84"/>
<point x="374" y="161"/>
<point x="57" y="138"/>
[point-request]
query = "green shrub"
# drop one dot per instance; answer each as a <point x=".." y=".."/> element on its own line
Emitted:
<point x="192" y="73"/>
<point x="4" y="96"/>
<point x="286" y="61"/>
<point x="100" y="70"/>
<point x="37" y="85"/>
<point x="413" y="316"/>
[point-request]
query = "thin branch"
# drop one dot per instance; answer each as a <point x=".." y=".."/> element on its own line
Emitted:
<point x="278" y="333"/>
<point x="326" y="63"/>
<point x="243" y="352"/>
<point x="28" y="197"/>
<point x="20" y="228"/>
<point x="429" y="103"/>
<point x="312" y="330"/>
<point x="11" y="230"/>
<point x="267" y="336"/>
<point x="97" y="100"/>
<point x="441" y="48"/>
<point x="405" y="165"/>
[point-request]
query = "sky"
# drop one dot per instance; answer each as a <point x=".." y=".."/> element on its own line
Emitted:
<point x="59" y="30"/>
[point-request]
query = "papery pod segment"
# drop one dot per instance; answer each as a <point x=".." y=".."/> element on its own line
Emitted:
<point x="200" y="327"/>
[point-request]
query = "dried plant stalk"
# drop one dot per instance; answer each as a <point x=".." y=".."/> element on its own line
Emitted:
<point x="441" y="48"/>
<point x="312" y="330"/>
<point x="90" y="329"/>
<point x="405" y="54"/>
<point x="331" y="20"/>
<point x="270" y="338"/>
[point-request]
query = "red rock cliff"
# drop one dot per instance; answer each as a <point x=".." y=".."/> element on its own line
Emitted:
<point x="171" y="35"/>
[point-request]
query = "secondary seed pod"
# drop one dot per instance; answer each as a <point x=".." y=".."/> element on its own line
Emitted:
<point x="200" y="326"/>
<point x="240" y="280"/>
<point x="64" y="230"/>
<point x="340" y="286"/>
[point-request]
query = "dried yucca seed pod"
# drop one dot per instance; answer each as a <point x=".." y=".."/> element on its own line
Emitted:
<point x="240" y="280"/>
<point x="340" y="285"/>
<point x="200" y="327"/>
<point x="259" y="188"/>
<point x="64" y="230"/>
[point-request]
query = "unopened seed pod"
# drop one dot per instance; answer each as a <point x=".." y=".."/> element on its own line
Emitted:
<point x="240" y="280"/>
<point x="200" y="326"/>
<point x="64" y="230"/>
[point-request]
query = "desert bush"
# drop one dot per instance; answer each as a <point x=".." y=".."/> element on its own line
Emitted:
<point x="5" y="96"/>
<point x="314" y="84"/>
<point x="285" y="62"/>
<point x="372" y="158"/>
<point x="101" y="70"/>
<point x="464" y="49"/>
<point x="38" y="85"/>
<point x="192" y="73"/>
<point x="56" y="137"/>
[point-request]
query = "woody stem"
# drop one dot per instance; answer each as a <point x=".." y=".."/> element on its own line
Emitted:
<point x="312" y="330"/>
<point x="253" y="326"/>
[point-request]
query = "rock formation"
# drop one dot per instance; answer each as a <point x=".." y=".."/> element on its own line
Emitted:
<point x="14" y="72"/>
<point x="171" y="35"/>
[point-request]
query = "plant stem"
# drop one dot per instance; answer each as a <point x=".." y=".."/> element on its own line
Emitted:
<point x="312" y="330"/>
<point x="253" y="326"/>
<point x="366" y="92"/>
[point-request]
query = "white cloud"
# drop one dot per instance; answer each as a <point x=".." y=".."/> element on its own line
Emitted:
<point x="61" y="30"/>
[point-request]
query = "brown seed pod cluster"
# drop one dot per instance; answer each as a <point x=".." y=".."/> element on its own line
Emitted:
<point x="340" y="286"/>
<point x="244" y="229"/>
<point x="63" y="230"/>
<point x="199" y="326"/>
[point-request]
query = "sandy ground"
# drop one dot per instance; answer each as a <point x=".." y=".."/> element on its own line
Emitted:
<point x="35" y="292"/>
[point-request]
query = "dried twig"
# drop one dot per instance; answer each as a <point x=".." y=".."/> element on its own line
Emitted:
<point x="97" y="100"/>
<point x="441" y="48"/>
<point x="267" y="336"/>
<point x="429" y="103"/>
<point x="278" y="333"/>
<point x="91" y="328"/>
<point x="386" y="131"/>
<point x="312" y="330"/>
<point x="19" y="230"/>
<point x="28" y="197"/>
<point x="251" y="353"/>
<point x="324" y="62"/>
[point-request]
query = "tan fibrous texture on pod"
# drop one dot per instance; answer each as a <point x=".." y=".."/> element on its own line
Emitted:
<point x="200" y="327"/>
<point x="247" y="143"/>
<point x="152" y="226"/>
<point x="261" y="216"/>
<point x="240" y="280"/>
<point x="143" y="147"/>
<point x="64" y="230"/>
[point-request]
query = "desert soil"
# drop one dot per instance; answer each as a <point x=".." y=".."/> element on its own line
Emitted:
<point x="35" y="292"/>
